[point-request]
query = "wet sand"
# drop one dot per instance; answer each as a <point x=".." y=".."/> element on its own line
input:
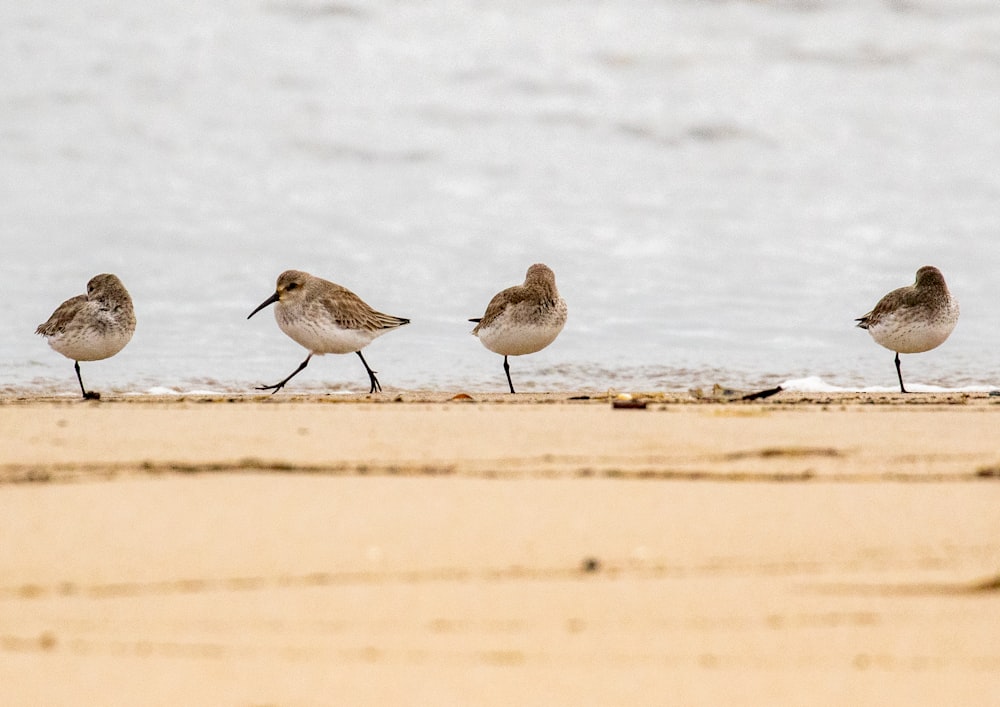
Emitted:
<point x="537" y="550"/>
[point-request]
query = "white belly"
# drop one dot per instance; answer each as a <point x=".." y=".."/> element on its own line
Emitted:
<point x="89" y="343"/>
<point x="905" y="333"/>
<point x="516" y="333"/>
<point x="320" y="337"/>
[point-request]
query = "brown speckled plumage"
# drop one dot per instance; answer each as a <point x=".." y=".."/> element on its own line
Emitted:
<point x="524" y="318"/>
<point x="93" y="326"/>
<point x="915" y="318"/>
<point x="324" y="317"/>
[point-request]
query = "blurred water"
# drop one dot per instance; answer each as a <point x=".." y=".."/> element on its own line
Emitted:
<point x="720" y="187"/>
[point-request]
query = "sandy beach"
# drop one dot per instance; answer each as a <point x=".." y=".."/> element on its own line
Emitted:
<point x="415" y="549"/>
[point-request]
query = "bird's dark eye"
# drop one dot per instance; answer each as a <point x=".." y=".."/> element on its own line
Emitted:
<point x="291" y="286"/>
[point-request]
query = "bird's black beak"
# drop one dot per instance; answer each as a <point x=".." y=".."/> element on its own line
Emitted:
<point x="270" y="300"/>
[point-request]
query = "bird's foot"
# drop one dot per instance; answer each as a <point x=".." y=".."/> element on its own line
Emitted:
<point x="273" y="388"/>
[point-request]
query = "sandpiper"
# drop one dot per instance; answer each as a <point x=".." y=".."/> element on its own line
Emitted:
<point x="523" y="319"/>
<point x="915" y="318"/>
<point x="325" y="318"/>
<point x="93" y="326"/>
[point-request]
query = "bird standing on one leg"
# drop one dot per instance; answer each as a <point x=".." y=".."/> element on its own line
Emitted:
<point x="93" y="326"/>
<point x="325" y="318"/>
<point x="523" y="319"/>
<point x="915" y="318"/>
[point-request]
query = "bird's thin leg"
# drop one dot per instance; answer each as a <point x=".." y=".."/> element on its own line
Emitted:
<point x="506" y="369"/>
<point x="86" y="396"/>
<point x="371" y="375"/>
<point x="900" y="374"/>
<point x="278" y="386"/>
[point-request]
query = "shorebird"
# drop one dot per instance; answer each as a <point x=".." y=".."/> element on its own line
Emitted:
<point x="523" y="319"/>
<point x="915" y="318"/>
<point x="325" y="318"/>
<point x="93" y="326"/>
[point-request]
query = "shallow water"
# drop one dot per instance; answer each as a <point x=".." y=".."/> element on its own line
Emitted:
<point x="721" y="188"/>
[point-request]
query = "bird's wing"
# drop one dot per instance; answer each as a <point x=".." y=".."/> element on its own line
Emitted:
<point x="63" y="315"/>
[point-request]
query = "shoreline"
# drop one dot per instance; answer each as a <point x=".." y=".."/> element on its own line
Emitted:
<point x="696" y="396"/>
